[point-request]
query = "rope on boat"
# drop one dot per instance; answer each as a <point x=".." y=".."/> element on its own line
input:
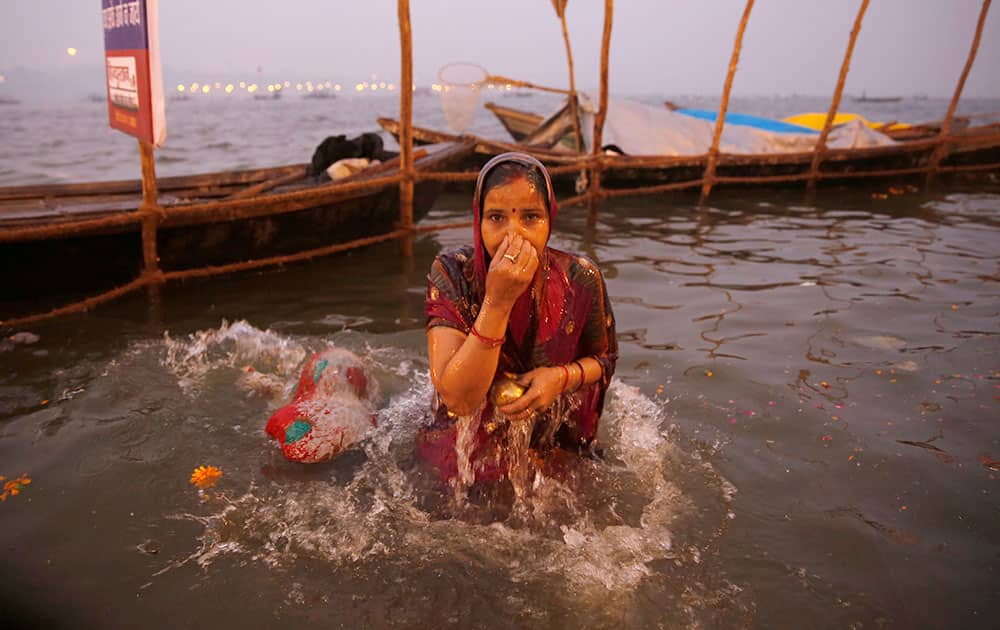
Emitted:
<point x="584" y="163"/>
<point x="280" y="203"/>
<point x="70" y="228"/>
<point x="158" y="277"/>
<point x="969" y="168"/>
<point x="464" y="176"/>
<point x="438" y="227"/>
<point x="215" y="211"/>
<point x="276" y="261"/>
<point x="650" y="190"/>
<point x="78" y="307"/>
<point x="575" y="201"/>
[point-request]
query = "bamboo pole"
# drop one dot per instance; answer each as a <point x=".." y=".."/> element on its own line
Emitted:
<point x="406" y="125"/>
<point x="152" y="214"/>
<point x="573" y="103"/>
<point x="498" y="78"/>
<point x="602" y="114"/>
<point x="720" y="121"/>
<point x="835" y="103"/>
<point x="149" y="208"/>
<point x="942" y="149"/>
<point x="270" y="184"/>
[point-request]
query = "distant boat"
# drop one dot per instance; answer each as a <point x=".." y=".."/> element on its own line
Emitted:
<point x="9" y="101"/>
<point x="270" y="96"/>
<point x="319" y="94"/>
<point x="179" y="97"/>
<point x="97" y="98"/>
<point x="864" y="98"/>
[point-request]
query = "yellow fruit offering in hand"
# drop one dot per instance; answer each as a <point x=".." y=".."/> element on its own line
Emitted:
<point x="505" y="391"/>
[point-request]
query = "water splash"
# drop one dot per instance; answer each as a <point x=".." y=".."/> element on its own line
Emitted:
<point x="268" y="356"/>
<point x="466" y="428"/>
<point x="603" y="530"/>
<point x="518" y="455"/>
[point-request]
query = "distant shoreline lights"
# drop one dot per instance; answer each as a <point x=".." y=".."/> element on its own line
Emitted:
<point x="361" y="87"/>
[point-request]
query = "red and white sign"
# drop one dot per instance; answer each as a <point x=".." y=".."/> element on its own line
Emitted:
<point x="135" y="79"/>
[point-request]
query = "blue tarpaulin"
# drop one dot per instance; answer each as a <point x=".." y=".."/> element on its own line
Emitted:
<point x="768" y="124"/>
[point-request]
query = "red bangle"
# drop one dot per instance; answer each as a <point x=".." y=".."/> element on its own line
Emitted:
<point x="489" y="342"/>
<point x="565" y="379"/>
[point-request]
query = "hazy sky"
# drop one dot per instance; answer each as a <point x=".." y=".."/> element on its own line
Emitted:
<point x="663" y="46"/>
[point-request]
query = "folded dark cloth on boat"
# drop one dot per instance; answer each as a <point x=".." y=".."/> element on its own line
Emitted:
<point x="336" y="148"/>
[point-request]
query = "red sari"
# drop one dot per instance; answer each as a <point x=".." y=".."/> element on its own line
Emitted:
<point x="570" y="318"/>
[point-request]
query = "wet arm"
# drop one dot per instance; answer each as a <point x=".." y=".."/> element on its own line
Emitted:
<point x="463" y="366"/>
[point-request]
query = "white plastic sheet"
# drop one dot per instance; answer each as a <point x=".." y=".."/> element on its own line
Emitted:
<point x="639" y="129"/>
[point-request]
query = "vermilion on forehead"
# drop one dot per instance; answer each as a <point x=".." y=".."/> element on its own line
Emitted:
<point x="539" y="210"/>
<point x="519" y="193"/>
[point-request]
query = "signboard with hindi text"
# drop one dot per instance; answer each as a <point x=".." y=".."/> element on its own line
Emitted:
<point x="132" y="59"/>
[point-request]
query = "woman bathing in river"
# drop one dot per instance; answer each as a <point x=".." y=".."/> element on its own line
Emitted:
<point x="508" y="307"/>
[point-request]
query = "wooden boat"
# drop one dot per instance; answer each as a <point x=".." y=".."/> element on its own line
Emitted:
<point x="483" y="148"/>
<point x="520" y="123"/>
<point x="864" y="98"/>
<point x="517" y="123"/>
<point x="210" y="219"/>
<point x="976" y="149"/>
<point x="534" y="130"/>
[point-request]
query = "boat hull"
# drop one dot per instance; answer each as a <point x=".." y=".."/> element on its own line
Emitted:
<point x="50" y="272"/>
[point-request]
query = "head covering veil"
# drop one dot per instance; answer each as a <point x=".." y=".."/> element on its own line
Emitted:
<point x="479" y="251"/>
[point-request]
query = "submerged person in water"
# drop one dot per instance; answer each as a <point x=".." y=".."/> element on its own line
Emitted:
<point x="520" y="336"/>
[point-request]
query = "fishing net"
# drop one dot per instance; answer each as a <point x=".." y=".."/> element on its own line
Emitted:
<point x="461" y="84"/>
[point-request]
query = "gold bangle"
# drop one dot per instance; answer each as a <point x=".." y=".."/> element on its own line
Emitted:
<point x="583" y="374"/>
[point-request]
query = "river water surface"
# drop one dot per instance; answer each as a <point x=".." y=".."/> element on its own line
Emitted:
<point x="802" y="430"/>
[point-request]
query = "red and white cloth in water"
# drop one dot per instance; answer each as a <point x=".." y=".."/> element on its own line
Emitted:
<point x="333" y="408"/>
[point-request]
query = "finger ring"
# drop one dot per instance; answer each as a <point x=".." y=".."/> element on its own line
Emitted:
<point x="512" y="259"/>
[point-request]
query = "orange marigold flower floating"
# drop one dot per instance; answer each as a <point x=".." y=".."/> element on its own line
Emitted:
<point x="13" y="487"/>
<point x="205" y="476"/>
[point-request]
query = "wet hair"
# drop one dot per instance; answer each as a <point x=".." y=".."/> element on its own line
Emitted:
<point x="506" y="172"/>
